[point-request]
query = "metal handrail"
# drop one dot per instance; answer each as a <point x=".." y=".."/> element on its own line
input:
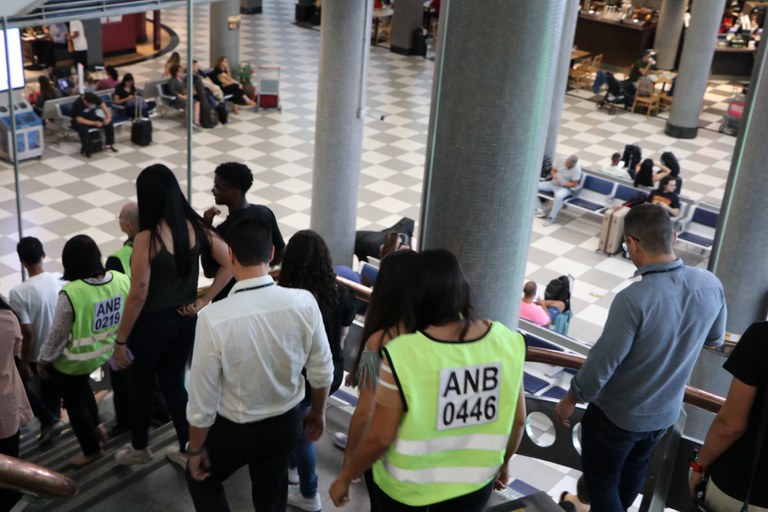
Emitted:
<point x="693" y="396"/>
<point x="30" y="478"/>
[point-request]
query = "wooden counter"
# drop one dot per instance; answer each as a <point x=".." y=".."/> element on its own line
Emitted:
<point x="620" y="43"/>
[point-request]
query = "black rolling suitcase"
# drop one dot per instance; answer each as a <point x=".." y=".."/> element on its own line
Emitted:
<point x="141" y="128"/>
<point x="93" y="142"/>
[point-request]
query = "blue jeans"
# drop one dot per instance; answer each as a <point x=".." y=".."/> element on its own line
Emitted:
<point x="561" y="194"/>
<point x="614" y="460"/>
<point x="304" y="459"/>
<point x="161" y="342"/>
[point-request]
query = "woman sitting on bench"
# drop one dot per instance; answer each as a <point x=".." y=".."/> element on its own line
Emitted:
<point x="222" y="76"/>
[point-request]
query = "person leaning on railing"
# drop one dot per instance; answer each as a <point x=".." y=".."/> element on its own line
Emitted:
<point x="724" y="463"/>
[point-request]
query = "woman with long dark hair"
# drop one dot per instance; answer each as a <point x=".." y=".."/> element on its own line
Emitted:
<point x="644" y="175"/>
<point x="158" y="326"/>
<point x="127" y="96"/>
<point x="14" y="407"/>
<point x="450" y="409"/>
<point x="82" y="338"/>
<point x="307" y="265"/>
<point x="389" y="315"/>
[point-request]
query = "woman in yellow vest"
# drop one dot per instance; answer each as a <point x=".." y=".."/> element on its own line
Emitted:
<point x="82" y="338"/>
<point x="449" y="410"/>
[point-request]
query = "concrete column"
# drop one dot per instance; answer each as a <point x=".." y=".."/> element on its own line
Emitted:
<point x="695" y="63"/>
<point x="561" y="76"/>
<point x="344" y="45"/>
<point x="408" y="16"/>
<point x="225" y="42"/>
<point x="668" y="31"/>
<point x="488" y="123"/>
<point x="738" y="254"/>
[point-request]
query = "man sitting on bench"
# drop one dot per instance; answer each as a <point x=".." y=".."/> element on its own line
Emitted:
<point x="85" y="116"/>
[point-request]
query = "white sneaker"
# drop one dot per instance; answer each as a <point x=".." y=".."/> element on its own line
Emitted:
<point x="293" y="476"/>
<point x="296" y="499"/>
<point x="539" y="212"/>
<point x="340" y="440"/>
<point x="128" y="456"/>
<point x="174" y="455"/>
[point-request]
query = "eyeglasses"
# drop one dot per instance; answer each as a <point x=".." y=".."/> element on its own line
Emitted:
<point x="624" y="244"/>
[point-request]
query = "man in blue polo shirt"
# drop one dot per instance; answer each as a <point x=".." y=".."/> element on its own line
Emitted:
<point x="635" y="375"/>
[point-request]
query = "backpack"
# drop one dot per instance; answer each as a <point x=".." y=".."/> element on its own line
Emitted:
<point x="546" y="168"/>
<point x="631" y="157"/>
<point x="559" y="289"/>
<point x="208" y="116"/>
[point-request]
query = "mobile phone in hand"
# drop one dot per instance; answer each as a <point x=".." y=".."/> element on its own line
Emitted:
<point x="113" y="363"/>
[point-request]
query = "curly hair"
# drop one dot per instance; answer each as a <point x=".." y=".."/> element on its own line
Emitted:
<point x="307" y="265"/>
<point x="237" y="175"/>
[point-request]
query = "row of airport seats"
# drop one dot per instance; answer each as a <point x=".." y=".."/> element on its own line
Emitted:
<point x="695" y="224"/>
<point x="59" y="110"/>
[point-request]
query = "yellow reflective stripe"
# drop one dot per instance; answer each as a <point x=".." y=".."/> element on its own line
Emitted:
<point x="453" y="475"/>
<point x="491" y="442"/>
<point x="94" y="338"/>
<point x="87" y="356"/>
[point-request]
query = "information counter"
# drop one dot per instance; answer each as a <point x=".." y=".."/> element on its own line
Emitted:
<point x="620" y="43"/>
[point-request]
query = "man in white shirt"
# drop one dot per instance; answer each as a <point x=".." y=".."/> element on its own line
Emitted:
<point x="566" y="181"/>
<point x="34" y="301"/>
<point x="79" y="42"/>
<point x="616" y="169"/>
<point x="245" y="385"/>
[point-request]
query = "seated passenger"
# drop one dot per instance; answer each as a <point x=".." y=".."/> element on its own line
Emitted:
<point x="127" y="95"/>
<point x="616" y="169"/>
<point x="222" y="76"/>
<point x="641" y="67"/>
<point x="566" y="181"/>
<point x="532" y="309"/>
<point x="110" y="82"/>
<point x="666" y="197"/>
<point x="644" y="175"/>
<point x="85" y="116"/>
<point x="177" y="87"/>
<point x="173" y="60"/>
<point x="47" y="92"/>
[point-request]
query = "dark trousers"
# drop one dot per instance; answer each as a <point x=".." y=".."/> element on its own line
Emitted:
<point x="81" y="407"/>
<point x="265" y="446"/>
<point x="236" y="92"/>
<point x="472" y="502"/>
<point x="82" y="58"/>
<point x="161" y="342"/>
<point x="43" y="404"/>
<point x="9" y="446"/>
<point x="82" y="132"/>
<point x="614" y="460"/>
<point x="121" y="399"/>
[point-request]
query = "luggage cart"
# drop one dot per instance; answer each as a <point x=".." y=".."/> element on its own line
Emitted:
<point x="269" y="88"/>
<point x="733" y="114"/>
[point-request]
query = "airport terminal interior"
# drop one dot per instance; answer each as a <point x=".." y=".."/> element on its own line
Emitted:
<point x="63" y="193"/>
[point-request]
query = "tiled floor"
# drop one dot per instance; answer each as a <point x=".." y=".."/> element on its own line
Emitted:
<point x="64" y="194"/>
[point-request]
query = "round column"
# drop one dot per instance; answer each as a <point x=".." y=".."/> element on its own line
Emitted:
<point x="492" y="92"/>
<point x="738" y="254"/>
<point x="695" y="63"/>
<point x="668" y="31"/>
<point x="561" y="76"/>
<point x="225" y="42"/>
<point x="344" y="45"/>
